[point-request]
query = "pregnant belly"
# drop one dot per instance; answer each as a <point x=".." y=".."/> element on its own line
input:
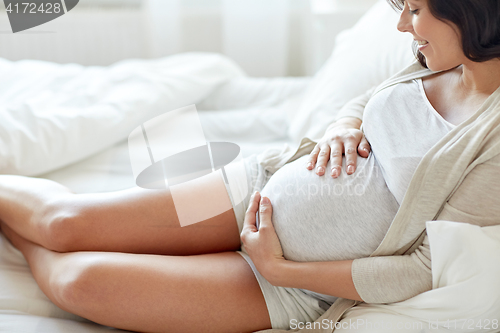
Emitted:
<point x="323" y="219"/>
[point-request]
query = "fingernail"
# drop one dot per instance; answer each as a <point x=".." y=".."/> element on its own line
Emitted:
<point x="335" y="172"/>
<point x="309" y="165"/>
<point x="265" y="200"/>
<point x="320" y="170"/>
<point x="350" y="169"/>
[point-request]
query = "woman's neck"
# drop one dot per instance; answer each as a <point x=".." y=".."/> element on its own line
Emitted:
<point x="479" y="78"/>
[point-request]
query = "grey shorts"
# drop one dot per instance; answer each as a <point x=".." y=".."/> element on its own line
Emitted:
<point x="285" y="305"/>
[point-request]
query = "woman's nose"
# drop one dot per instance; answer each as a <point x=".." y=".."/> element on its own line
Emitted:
<point x="404" y="24"/>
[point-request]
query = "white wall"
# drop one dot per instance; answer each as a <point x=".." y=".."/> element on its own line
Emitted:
<point x="266" y="37"/>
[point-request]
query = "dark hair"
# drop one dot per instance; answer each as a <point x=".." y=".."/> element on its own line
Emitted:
<point x="477" y="20"/>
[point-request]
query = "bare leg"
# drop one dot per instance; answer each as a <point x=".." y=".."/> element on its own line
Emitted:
<point x="134" y="220"/>
<point x="150" y="293"/>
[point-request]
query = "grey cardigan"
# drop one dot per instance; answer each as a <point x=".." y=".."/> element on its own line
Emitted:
<point x="457" y="180"/>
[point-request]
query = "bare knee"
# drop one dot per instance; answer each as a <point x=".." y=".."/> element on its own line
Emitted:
<point x="78" y="284"/>
<point x="59" y="221"/>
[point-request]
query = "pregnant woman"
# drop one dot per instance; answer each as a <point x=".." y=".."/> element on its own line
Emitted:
<point x="325" y="236"/>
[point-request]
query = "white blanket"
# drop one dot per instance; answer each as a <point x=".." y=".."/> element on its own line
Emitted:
<point x="54" y="115"/>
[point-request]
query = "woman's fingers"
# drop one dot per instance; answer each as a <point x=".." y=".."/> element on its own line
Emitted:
<point x="313" y="156"/>
<point x="265" y="213"/>
<point x="351" y="156"/>
<point x="336" y="158"/>
<point x="364" y="147"/>
<point x="323" y="156"/>
<point x="250" y="218"/>
<point x="344" y="142"/>
<point x="351" y="144"/>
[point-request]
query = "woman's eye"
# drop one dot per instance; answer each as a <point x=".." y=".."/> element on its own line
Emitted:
<point x="413" y="12"/>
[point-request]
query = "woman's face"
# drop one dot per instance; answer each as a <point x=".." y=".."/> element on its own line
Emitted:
<point x="438" y="41"/>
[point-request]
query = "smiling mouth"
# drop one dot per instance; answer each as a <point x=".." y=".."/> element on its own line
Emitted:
<point x="422" y="42"/>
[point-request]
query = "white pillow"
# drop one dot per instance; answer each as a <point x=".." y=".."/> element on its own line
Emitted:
<point x="466" y="289"/>
<point x="363" y="56"/>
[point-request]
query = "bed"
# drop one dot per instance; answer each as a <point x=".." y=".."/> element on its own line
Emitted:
<point x="70" y="123"/>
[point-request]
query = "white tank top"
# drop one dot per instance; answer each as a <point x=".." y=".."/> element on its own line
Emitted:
<point x="325" y="219"/>
<point x="401" y="126"/>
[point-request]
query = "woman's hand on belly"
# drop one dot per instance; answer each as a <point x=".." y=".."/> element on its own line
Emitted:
<point x="342" y="137"/>
<point x="262" y="244"/>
